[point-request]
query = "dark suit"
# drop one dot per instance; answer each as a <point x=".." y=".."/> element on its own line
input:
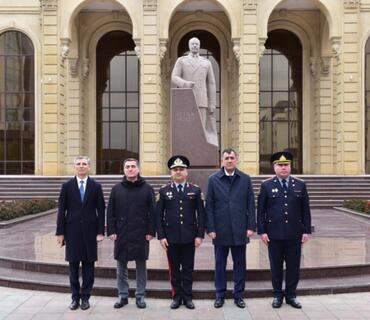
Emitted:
<point x="180" y="219"/>
<point x="284" y="215"/>
<point x="80" y="222"/>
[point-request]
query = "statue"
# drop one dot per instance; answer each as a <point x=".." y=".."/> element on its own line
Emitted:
<point x="194" y="71"/>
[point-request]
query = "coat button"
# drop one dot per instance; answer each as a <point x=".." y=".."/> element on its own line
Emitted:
<point x="286" y="204"/>
<point x="286" y="212"/>
<point x="181" y="215"/>
<point x="285" y="196"/>
<point x="180" y="201"/>
<point x="286" y="221"/>
<point x="269" y="220"/>
<point x="180" y="208"/>
<point x="181" y="222"/>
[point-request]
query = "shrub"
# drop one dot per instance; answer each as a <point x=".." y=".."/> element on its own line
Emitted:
<point x="358" y="205"/>
<point x="19" y="208"/>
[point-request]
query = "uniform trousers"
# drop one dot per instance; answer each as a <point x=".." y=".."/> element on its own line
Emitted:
<point x="87" y="279"/>
<point x="239" y="267"/>
<point x="290" y="252"/>
<point x="181" y="267"/>
<point x="122" y="278"/>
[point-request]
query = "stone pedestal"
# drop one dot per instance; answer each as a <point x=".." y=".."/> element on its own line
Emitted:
<point x="188" y="137"/>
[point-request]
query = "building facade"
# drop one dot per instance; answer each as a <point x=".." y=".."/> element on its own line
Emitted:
<point x="93" y="77"/>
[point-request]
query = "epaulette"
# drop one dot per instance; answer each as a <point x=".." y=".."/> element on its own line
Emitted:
<point x="165" y="185"/>
<point x="298" y="179"/>
<point x="268" y="179"/>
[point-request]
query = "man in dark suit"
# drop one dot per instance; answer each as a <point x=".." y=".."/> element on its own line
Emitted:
<point x="284" y="223"/>
<point x="231" y="220"/>
<point x="180" y="228"/>
<point x="80" y="225"/>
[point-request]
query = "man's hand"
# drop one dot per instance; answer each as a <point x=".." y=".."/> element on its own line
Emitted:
<point x="265" y="238"/>
<point x="189" y="84"/>
<point x="198" y="242"/>
<point x="305" y="238"/>
<point x="99" y="237"/>
<point x="60" y="240"/>
<point x="148" y="237"/>
<point x="113" y="237"/>
<point x="250" y="233"/>
<point x="212" y="109"/>
<point x="164" y="243"/>
<point x="212" y="235"/>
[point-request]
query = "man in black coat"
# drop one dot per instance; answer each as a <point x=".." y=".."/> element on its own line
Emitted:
<point x="180" y="228"/>
<point x="131" y="224"/>
<point x="284" y="223"/>
<point x="80" y="225"/>
<point x="231" y="220"/>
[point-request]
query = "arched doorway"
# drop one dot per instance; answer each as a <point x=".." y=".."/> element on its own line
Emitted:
<point x="280" y="120"/>
<point x="210" y="49"/>
<point x="17" y="104"/>
<point x="117" y="102"/>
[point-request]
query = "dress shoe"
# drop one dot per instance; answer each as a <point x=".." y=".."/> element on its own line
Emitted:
<point x="277" y="302"/>
<point x="175" y="304"/>
<point x="140" y="303"/>
<point x="239" y="303"/>
<point x="189" y="304"/>
<point x="219" y="302"/>
<point x="74" y="305"/>
<point x="294" y="303"/>
<point x="85" y="304"/>
<point x="120" y="303"/>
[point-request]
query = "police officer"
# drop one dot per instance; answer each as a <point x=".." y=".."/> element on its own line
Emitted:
<point x="180" y="229"/>
<point x="284" y="222"/>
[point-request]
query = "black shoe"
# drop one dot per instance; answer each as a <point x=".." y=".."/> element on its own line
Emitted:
<point x="219" y="302"/>
<point x="239" y="303"/>
<point x="85" y="304"/>
<point x="175" y="304"/>
<point x="120" y="303"/>
<point x="189" y="304"/>
<point x="140" y="303"/>
<point x="293" y="302"/>
<point x="74" y="305"/>
<point x="277" y="302"/>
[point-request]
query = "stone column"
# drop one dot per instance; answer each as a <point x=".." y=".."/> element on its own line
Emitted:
<point x="150" y="107"/>
<point x="248" y="84"/>
<point x="52" y="91"/>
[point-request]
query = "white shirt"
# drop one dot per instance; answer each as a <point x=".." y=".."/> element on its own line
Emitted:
<point x="229" y="174"/>
<point x="177" y="186"/>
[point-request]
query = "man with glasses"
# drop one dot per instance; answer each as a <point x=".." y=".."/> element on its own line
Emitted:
<point x="284" y="223"/>
<point x="230" y="222"/>
<point x="180" y="228"/>
<point x="80" y="225"/>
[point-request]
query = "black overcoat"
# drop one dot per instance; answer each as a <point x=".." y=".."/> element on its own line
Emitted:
<point x="80" y="222"/>
<point x="130" y="215"/>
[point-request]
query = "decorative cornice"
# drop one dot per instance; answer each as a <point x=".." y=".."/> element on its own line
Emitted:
<point x="49" y="5"/>
<point x="162" y="48"/>
<point x="236" y="49"/>
<point x="250" y="4"/>
<point x="335" y="45"/>
<point x="73" y="67"/>
<point x="313" y="68"/>
<point x="351" y="4"/>
<point x="325" y="65"/>
<point x="137" y="47"/>
<point x="150" y="5"/>
<point x="65" y="42"/>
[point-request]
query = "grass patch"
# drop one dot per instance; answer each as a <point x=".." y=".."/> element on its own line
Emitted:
<point x="362" y="206"/>
<point x="20" y="208"/>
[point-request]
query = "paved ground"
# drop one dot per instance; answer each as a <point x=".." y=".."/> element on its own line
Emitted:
<point x="23" y="305"/>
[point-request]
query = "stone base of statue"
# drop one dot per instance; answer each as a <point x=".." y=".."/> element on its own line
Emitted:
<point x="188" y="136"/>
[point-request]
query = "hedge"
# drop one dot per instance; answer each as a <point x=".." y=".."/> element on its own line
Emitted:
<point x="358" y="205"/>
<point x="19" y="208"/>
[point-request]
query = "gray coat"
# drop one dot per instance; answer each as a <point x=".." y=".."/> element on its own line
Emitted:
<point x="230" y="208"/>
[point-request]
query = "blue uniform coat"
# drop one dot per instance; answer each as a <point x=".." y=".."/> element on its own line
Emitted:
<point x="282" y="215"/>
<point x="230" y="208"/>
<point x="80" y="222"/>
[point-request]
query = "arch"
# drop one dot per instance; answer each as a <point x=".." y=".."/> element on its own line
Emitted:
<point x="71" y="9"/>
<point x="306" y="84"/>
<point x="170" y="10"/>
<point x="13" y="25"/>
<point x="328" y="7"/>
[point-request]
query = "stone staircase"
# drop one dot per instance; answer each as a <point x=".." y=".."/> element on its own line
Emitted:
<point x="325" y="191"/>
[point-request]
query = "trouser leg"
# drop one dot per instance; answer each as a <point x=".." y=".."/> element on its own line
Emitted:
<point x="276" y="257"/>
<point x="141" y="277"/>
<point x="187" y="262"/>
<point x="292" y="261"/>
<point x="87" y="279"/>
<point x="122" y="279"/>
<point x="174" y="259"/>
<point x="74" y="279"/>
<point x="221" y="253"/>
<point x="239" y="268"/>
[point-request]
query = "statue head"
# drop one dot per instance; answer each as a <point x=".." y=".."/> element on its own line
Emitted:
<point x="194" y="45"/>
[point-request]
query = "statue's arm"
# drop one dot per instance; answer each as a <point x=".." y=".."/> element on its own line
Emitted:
<point x="176" y="76"/>
<point x="211" y="88"/>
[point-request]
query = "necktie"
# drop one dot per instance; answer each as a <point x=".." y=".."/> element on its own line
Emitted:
<point x="82" y="190"/>
<point x="285" y="186"/>
<point x="180" y="188"/>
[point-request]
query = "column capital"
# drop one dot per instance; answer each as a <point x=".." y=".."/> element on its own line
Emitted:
<point x="49" y="5"/>
<point x="351" y="4"/>
<point x="150" y="5"/>
<point x="250" y="4"/>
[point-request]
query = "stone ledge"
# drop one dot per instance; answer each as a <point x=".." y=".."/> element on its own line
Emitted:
<point x="356" y="213"/>
<point x="13" y="222"/>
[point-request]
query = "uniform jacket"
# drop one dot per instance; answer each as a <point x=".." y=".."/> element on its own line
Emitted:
<point x="201" y="73"/>
<point x="283" y="216"/>
<point x="130" y="215"/>
<point x="230" y="208"/>
<point x="80" y="222"/>
<point x="180" y="218"/>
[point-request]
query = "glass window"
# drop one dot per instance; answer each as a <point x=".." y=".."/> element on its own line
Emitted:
<point x="281" y="88"/>
<point x="17" y="115"/>
<point x="117" y="102"/>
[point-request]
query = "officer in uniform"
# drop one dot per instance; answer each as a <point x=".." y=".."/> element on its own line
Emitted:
<point x="284" y="222"/>
<point x="180" y="228"/>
